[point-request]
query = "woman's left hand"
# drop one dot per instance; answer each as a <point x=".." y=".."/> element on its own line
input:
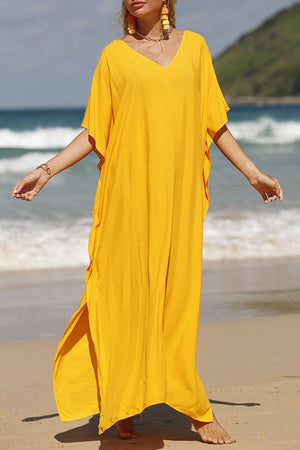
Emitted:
<point x="268" y="187"/>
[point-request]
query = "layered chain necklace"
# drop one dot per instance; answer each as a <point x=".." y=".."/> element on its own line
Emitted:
<point x="149" y="38"/>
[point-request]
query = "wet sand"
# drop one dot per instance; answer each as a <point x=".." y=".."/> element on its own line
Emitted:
<point x="36" y="305"/>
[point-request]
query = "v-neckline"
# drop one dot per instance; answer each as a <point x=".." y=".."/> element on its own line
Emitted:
<point x="151" y="60"/>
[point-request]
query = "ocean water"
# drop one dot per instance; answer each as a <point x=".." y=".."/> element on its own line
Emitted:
<point x="52" y="231"/>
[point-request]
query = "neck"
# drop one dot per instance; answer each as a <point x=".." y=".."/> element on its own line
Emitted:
<point x="149" y="26"/>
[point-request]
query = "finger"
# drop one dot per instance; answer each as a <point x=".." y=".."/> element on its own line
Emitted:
<point x="278" y="190"/>
<point x="18" y="187"/>
<point x="272" y="196"/>
<point x="269" y="197"/>
<point x="280" y="193"/>
<point x="15" y="191"/>
<point x="264" y="196"/>
<point x="29" y="197"/>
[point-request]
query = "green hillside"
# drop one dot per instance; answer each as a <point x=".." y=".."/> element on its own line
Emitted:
<point x="264" y="62"/>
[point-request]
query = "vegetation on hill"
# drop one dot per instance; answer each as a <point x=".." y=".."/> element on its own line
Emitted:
<point x="264" y="62"/>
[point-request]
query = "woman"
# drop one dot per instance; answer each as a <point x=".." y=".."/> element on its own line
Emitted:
<point x="154" y="107"/>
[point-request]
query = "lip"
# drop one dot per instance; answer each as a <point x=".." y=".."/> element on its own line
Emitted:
<point x="138" y="4"/>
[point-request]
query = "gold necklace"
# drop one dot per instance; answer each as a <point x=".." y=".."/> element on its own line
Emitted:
<point x="149" y="38"/>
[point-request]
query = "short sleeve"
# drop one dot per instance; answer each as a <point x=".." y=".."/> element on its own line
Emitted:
<point x="98" y="114"/>
<point x="216" y="105"/>
<point x="215" y="114"/>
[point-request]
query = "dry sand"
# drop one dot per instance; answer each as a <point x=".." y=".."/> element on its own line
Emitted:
<point x="250" y="368"/>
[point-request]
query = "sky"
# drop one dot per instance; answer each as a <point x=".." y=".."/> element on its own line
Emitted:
<point x="49" y="50"/>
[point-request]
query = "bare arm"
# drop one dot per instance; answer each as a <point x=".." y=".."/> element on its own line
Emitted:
<point x="74" y="152"/>
<point x="28" y="187"/>
<point x="268" y="187"/>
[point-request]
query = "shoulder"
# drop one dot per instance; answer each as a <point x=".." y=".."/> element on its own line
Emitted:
<point x="109" y="48"/>
<point x="106" y="54"/>
<point x="197" y="38"/>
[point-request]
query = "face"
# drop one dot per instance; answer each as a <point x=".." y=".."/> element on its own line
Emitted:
<point x="141" y="8"/>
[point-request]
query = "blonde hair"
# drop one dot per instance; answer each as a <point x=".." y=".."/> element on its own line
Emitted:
<point x="122" y="13"/>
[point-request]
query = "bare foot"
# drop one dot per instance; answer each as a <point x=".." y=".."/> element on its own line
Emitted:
<point x="212" y="432"/>
<point x="125" y="429"/>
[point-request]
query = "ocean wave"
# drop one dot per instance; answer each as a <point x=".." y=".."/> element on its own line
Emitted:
<point x="252" y="235"/>
<point x="266" y="131"/>
<point x="40" y="138"/>
<point x="24" y="163"/>
<point x="26" y="245"/>
<point x="61" y="244"/>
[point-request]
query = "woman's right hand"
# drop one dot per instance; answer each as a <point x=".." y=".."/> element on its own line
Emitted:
<point x="30" y="185"/>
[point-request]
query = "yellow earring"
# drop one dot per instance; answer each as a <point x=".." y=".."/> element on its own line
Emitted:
<point x="131" y="23"/>
<point x="164" y="17"/>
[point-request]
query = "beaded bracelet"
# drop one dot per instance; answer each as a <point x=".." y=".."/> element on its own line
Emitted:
<point x="44" y="167"/>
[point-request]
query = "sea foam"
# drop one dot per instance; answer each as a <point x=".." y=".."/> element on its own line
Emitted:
<point x="24" y="163"/>
<point x="61" y="243"/>
<point x="266" y="131"/>
<point x="39" y="138"/>
<point x="263" y="130"/>
<point x="253" y="234"/>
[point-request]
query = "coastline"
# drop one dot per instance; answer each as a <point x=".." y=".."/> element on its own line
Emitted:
<point x="236" y="101"/>
<point x="37" y="305"/>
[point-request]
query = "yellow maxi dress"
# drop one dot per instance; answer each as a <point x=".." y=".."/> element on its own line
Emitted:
<point x="132" y="341"/>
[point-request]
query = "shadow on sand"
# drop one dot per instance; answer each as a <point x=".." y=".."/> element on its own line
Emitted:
<point x="156" y="423"/>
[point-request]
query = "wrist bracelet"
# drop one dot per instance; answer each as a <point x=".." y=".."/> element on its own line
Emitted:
<point x="44" y="167"/>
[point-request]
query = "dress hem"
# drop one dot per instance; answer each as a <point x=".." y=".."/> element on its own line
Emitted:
<point x="146" y="405"/>
<point x="136" y="411"/>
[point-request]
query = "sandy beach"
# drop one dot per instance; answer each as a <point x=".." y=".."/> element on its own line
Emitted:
<point x="248" y="359"/>
<point x="250" y="368"/>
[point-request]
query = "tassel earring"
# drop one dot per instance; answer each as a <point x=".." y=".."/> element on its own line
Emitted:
<point x="164" y="17"/>
<point x="131" y="23"/>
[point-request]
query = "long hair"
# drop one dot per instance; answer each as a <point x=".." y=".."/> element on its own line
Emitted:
<point x="121" y="15"/>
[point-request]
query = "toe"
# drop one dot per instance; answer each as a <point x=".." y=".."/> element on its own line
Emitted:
<point x="208" y="440"/>
<point x="135" y="434"/>
<point x="220" y="441"/>
<point x="230" y="440"/>
<point x="127" y="435"/>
